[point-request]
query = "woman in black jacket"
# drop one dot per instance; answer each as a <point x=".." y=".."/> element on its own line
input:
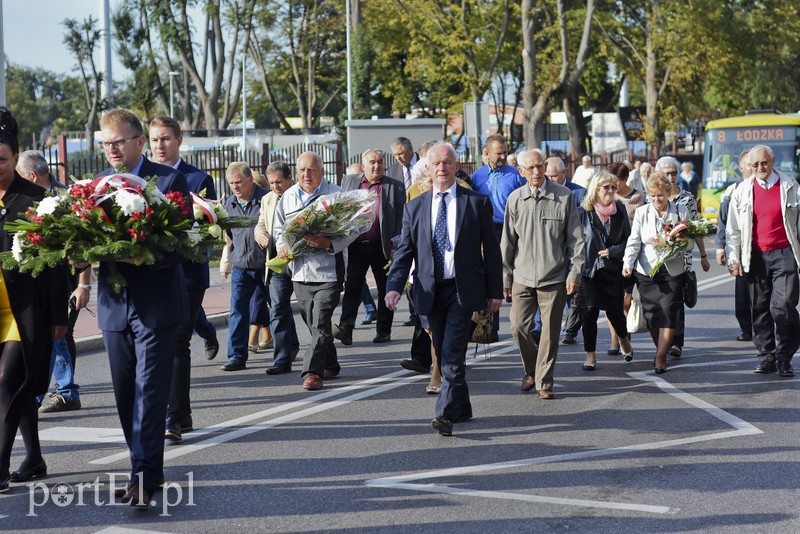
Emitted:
<point x="605" y="231"/>
<point x="33" y="312"/>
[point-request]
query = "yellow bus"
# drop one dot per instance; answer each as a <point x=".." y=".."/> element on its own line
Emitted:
<point x="725" y="140"/>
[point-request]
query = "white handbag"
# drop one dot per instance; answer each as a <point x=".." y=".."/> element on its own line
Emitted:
<point x="635" y="320"/>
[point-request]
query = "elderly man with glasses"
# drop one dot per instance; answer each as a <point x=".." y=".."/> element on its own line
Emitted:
<point x="542" y="249"/>
<point x="763" y="246"/>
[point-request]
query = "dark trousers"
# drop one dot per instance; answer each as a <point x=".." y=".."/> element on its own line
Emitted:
<point x="744" y="315"/>
<point x="281" y="319"/>
<point x="450" y="326"/>
<point x="774" y="293"/>
<point x="317" y="302"/>
<point x="360" y="257"/>
<point x="141" y="360"/>
<point x="575" y="316"/>
<point x="203" y="326"/>
<point x="179" y="407"/>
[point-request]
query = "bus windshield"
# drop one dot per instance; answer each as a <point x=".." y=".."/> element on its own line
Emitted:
<point x="723" y="146"/>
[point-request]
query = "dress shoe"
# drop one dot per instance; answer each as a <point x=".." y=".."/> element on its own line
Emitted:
<point x="765" y="367"/>
<point x="279" y="369"/>
<point x="253" y="348"/>
<point x="24" y="475"/>
<point x="382" y="338"/>
<point x="743" y="336"/>
<point x="784" y="369"/>
<point x="212" y="348"/>
<point x="659" y="370"/>
<point x="528" y="383"/>
<point x="433" y="390"/>
<point x="369" y="318"/>
<point x="628" y="356"/>
<point x="443" y="425"/>
<point x="173" y="431"/>
<point x="345" y="337"/>
<point x="329" y="374"/>
<point x="613" y="352"/>
<point x="675" y="352"/>
<point x="137" y="497"/>
<point x="546" y="394"/>
<point x="568" y="339"/>
<point x="415" y="365"/>
<point x="187" y="425"/>
<point x="234" y="365"/>
<point x="4" y="484"/>
<point x="589" y="366"/>
<point x="410" y="322"/>
<point x="312" y="382"/>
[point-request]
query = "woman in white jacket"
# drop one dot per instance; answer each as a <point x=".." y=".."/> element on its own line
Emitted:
<point x="662" y="295"/>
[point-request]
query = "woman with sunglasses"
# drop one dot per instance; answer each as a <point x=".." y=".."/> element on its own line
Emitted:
<point x="605" y="229"/>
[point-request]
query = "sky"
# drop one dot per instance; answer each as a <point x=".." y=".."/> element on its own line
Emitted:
<point x="34" y="36"/>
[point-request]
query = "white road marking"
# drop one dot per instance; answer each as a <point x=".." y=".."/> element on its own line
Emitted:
<point x="313" y="405"/>
<point x="742" y="428"/>
<point x="123" y="530"/>
<point x="82" y="433"/>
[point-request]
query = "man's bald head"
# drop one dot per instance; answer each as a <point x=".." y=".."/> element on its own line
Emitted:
<point x="555" y="170"/>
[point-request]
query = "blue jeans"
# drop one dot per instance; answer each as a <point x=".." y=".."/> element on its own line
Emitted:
<point x="203" y="326"/>
<point x="281" y="320"/>
<point x="244" y="283"/>
<point x="366" y="300"/>
<point x="62" y="371"/>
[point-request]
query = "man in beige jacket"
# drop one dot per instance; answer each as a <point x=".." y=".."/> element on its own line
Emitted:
<point x="281" y="319"/>
<point x="542" y="248"/>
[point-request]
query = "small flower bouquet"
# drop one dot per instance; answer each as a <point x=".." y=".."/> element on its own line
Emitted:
<point x="213" y="219"/>
<point x="674" y="238"/>
<point x="335" y="216"/>
<point x="116" y="217"/>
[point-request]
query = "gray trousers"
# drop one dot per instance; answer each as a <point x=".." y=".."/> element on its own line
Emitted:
<point x="540" y="360"/>
<point x="317" y="302"/>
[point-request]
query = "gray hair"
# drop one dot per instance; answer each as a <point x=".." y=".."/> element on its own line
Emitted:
<point x="665" y="162"/>
<point x="765" y="148"/>
<point x="314" y="156"/>
<point x="425" y="146"/>
<point x="239" y="167"/>
<point x="558" y="161"/>
<point x="405" y="142"/>
<point x="586" y="158"/>
<point x="33" y="161"/>
<point x="369" y="151"/>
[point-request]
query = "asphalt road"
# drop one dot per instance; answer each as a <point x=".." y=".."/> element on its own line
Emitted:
<point x="707" y="447"/>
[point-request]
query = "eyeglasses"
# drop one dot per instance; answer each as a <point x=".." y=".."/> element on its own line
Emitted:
<point x="530" y="169"/>
<point x="609" y="187"/>
<point x="758" y="164"/>
<point x="118" y="143"/>
<point x="672" y="173"/>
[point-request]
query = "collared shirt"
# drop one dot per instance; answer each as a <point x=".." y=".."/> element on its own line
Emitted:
<point x="497" y="184"/>
<point x="138" y="167"/>
<point x="177" y="163"/>
<point x="772" y="180"/>
<point x="305" y="197"/>
<point x="450" y="201"/>
<point x="373" y="235"/>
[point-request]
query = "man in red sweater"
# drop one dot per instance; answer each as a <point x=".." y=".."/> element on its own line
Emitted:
<point x="762" y="245"/>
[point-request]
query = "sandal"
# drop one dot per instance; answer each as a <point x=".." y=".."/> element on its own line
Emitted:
<point x="433" y="390"/>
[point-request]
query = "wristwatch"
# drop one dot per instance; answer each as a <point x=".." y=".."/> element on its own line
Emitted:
<point x="87" y="287"/>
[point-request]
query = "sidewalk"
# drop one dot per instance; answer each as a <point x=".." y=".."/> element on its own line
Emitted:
<point x="216" y="304"/>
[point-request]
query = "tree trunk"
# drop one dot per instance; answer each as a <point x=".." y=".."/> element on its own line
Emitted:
<point x="530" y="125"/>
<point x="576" y="125"/>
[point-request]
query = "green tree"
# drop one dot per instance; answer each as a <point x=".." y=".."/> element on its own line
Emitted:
<point x="81" y="39"/>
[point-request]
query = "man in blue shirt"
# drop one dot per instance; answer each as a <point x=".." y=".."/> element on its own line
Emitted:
<point x="496" y="180"/>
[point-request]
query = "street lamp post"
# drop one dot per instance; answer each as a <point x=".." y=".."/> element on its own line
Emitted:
<point x="172" y="74"/>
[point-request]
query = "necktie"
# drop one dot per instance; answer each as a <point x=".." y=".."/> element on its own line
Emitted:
<point x="407" y="173"/>
<point x="441" y="239"/>
<point x="536" y="194"/>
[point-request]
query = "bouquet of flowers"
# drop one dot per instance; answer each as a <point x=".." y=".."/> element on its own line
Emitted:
<point x="114" y="217"/>
<point x="212" y="220"/>
<point x="335" y="216"/>
<point x="674" y="238"/>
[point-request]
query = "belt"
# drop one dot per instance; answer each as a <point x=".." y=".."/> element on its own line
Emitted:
<point x="445" y="281"/>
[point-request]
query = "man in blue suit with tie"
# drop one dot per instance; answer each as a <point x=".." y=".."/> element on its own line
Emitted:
<point x="449" y="233"/>
<point x="140" y="323"/>
<point x="165" y="143"/>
